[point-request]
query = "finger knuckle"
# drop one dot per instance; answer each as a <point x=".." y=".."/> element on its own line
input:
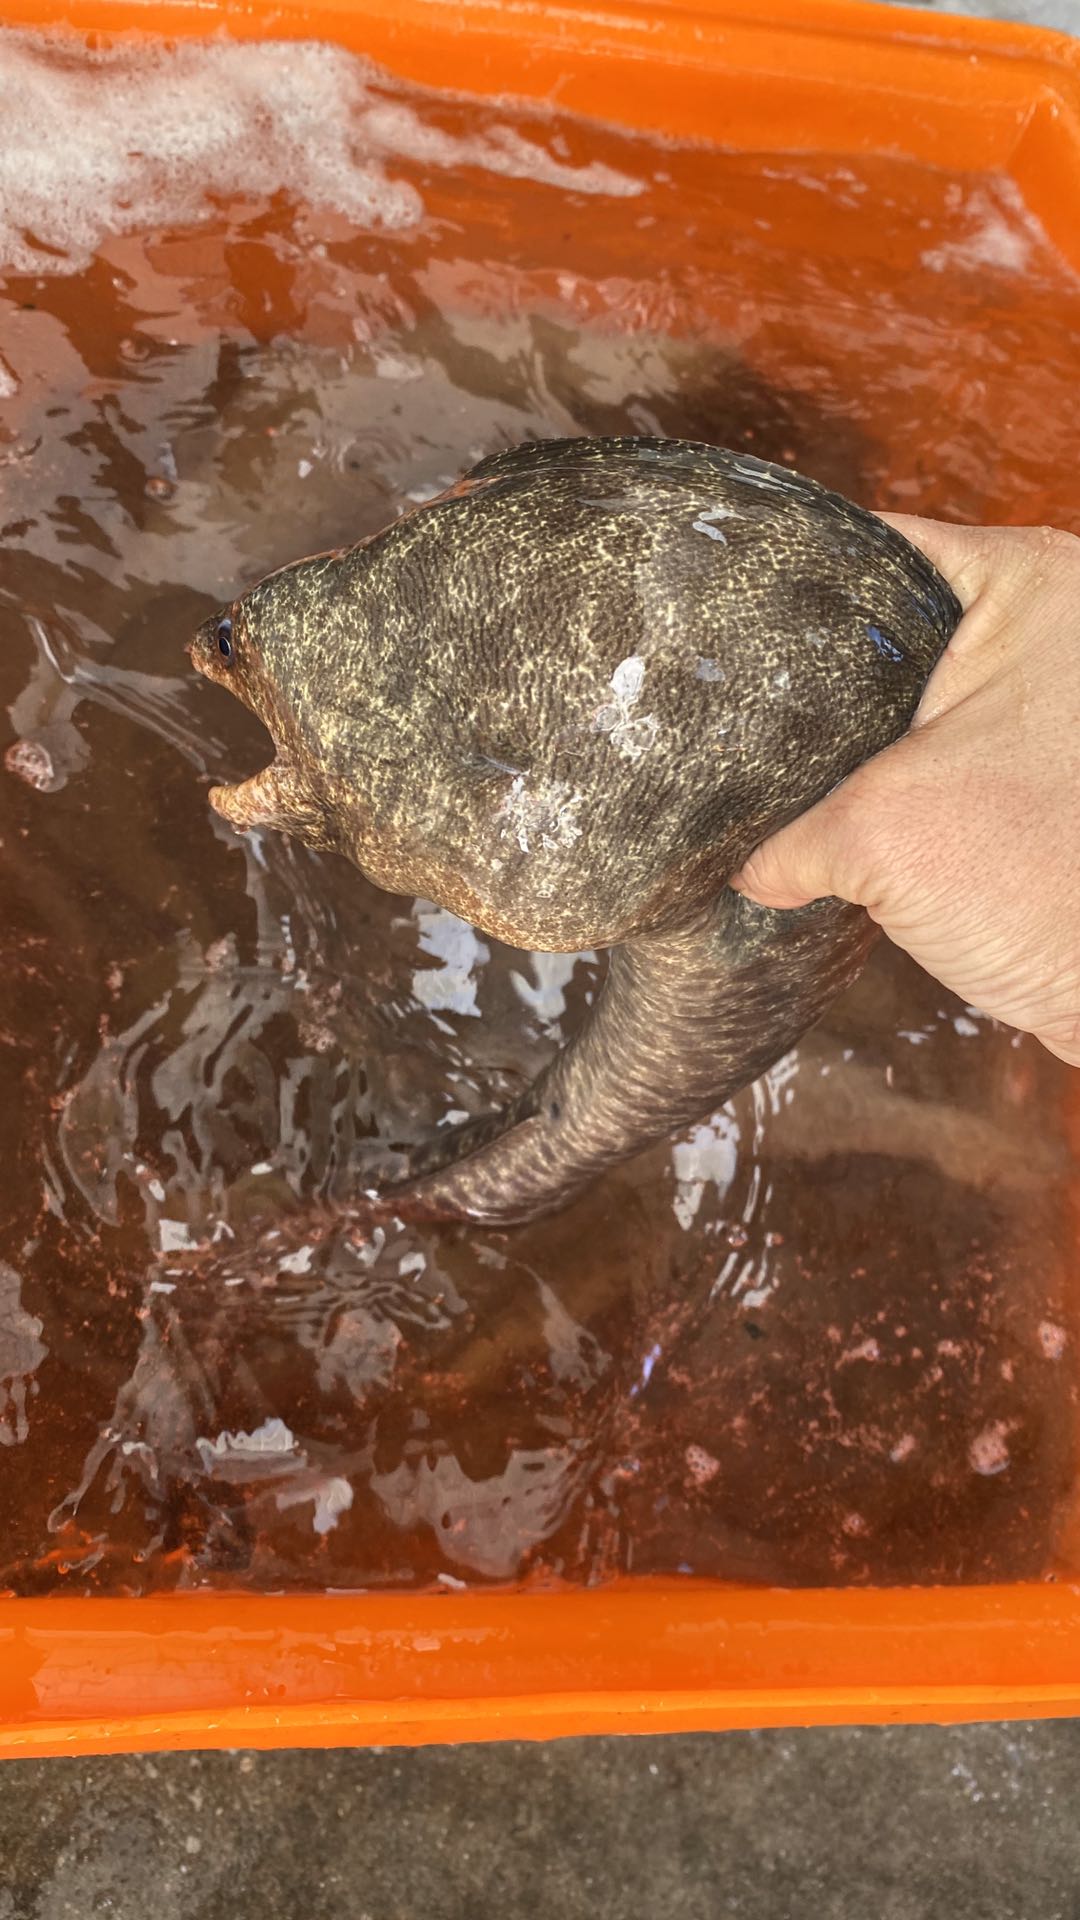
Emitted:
<point x="1044" y="547"/>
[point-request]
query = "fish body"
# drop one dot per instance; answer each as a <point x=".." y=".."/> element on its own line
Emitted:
<point x="565" y="700"/>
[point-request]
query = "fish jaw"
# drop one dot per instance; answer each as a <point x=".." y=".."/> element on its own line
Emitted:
<point x="280" y="797"/>
<point x="267" y="799"/>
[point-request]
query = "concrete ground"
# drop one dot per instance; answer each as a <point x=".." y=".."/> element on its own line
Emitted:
<point x="922" y="1823"/>
<point x="974" y="1823"/>
<point x="1062" y="14"/>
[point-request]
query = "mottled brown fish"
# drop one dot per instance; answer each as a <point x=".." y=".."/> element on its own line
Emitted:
<point x="565" y="700"/>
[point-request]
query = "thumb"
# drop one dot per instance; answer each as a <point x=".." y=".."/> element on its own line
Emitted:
<point x="806" y="860"/>
<point x="829" y="849"/>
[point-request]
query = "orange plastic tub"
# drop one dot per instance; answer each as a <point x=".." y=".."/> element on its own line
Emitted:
<point x="190" y="1670"/>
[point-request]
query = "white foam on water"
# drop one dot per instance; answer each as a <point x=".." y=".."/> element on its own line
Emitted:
<point x="1001" y="233"/>
<point x="393" y="128"/>
<point x="99" y="142"/>
<point x="133" y="137"/>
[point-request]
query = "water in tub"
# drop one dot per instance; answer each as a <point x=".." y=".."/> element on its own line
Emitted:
<point x="255" y="300"/>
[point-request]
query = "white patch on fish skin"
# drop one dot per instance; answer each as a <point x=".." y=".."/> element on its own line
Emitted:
<point x="628" y="679"/>
<point x="630" y="733"/>
<point x="545" y="814"/>
<point x="635" y="737"/>
<point x="771" y="482"/>
<point x="704" y="523"/>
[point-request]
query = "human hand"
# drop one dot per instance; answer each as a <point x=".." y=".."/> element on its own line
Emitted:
<point x="963" y="839"/>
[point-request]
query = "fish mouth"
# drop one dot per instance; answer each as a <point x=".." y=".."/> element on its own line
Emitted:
<point x="255" y="802"/>
<point x="232" y="803"/>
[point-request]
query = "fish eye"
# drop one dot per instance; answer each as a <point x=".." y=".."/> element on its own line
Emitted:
<point x="224" y="638"/>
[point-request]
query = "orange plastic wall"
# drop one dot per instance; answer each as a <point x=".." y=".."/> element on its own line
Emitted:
<point x="81" y="1676"/>
<point x="90" y="1676"/>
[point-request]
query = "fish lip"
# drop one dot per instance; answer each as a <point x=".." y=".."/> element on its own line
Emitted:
<point x="221" y="790"/>
<point x="232" y="799"/>
<point x="227" y="800"/>
<point x="224" y="791"/>
<point x="243" y="802"/>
